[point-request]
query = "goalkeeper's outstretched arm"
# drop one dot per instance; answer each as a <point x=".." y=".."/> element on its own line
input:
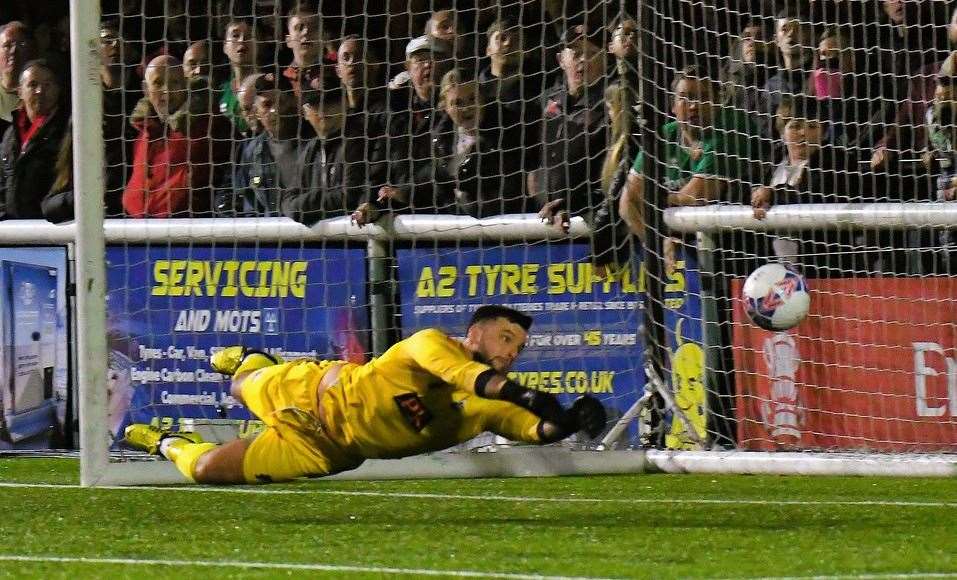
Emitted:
<point x="557" y="423"/>
<point x="443" y="357"/>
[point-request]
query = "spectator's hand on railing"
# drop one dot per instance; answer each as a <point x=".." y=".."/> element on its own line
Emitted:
<point x="553" y="214"/>
<point x="882" y="158"/>
<point x="365" y="214"/>
<point x="949" y="193"/>
<point x="761" y="200"/>
<point x="388" y="193"/>
<point x="929" y="159"/>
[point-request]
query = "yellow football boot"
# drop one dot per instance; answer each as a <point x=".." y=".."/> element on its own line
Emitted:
<point x="147" y="437"/>
<point x="239" y="359"/>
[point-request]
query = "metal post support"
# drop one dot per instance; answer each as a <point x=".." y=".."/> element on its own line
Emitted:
<point x="380" y="295"/>
<point x="711" y="330"/>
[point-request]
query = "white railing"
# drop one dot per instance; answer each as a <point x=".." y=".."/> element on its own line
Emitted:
<point x="821" y="216"/>
<point x="518" y="227"/>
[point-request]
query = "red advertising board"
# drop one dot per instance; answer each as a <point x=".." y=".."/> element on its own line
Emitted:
<point x="874" y="366"/>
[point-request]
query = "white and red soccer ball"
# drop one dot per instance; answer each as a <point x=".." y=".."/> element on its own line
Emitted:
<point x="776" y="297"/>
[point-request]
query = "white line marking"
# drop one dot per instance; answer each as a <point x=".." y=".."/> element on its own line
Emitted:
<point x="287" y="566"/>
<point x="512" y="498"/>
<point x="865" y="576"/>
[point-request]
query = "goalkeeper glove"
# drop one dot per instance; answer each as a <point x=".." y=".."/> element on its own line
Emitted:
<point x="587" y="414"/>
<point x="544" y="405"/>
<point x="239" y="359"/>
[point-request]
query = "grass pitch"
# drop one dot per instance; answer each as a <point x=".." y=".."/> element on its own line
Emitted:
<point x="645" y="526"/>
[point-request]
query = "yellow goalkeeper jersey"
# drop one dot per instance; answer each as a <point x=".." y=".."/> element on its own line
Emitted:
<point x="419" y="396"/>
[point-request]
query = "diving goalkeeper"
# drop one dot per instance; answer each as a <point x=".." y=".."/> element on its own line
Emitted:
<point x="426" y="393"/>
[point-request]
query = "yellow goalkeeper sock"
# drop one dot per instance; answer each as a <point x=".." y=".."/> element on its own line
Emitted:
<point x="185" y="454"/>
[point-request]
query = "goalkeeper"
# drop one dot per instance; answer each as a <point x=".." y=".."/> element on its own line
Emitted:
<point x="426" y="393"/>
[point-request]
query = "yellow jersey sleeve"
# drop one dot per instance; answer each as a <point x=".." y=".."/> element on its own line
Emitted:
<point x="511" y="421"/>
<point x="443" y="357"/>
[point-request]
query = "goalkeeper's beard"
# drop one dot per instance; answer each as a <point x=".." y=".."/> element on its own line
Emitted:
<point x="484" y="359"/>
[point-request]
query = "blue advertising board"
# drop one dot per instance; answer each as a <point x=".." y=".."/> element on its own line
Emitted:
<point x="34" y="358"/>
<point x="171" y="307"/>
<point x="586" y="336"/>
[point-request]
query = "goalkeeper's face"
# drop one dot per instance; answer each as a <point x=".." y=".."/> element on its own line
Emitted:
<point x="497" y="342"/>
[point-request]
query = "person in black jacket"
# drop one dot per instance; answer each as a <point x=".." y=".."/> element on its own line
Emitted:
<point x="121" y="92"/>
<point x="268" y="162"/>
<point x="811" y="172"/>
<point x="335" y="174"/>
<point x="514" y="79"/>
<point x="413" y="114"/>
<point x="32" y="143"/>
<point x="478" y="151"/>
<point x="574" y="134"/>
<point x="477" y="156"/>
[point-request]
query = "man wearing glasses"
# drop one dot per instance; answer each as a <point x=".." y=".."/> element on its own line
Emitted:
<point x="16" y="48"/>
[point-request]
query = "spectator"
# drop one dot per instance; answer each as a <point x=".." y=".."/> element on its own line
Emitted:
<point x="610" y="234"/>
<point x="793" y="36"/>
<point x="942" y="157"/>
<point x="304" y="39"/>
<point x="624" y="47"/>
<point x="470" y="148"/>
<point x="16" y="48"/>
<point x="575" y="133"/>
<point x="334" y="172"/>
<point x="366" y="102"/>
<point x="810" y="172"/>
<point x="178" y="145"/>
<point x="122" y="89"/>
<point x="753" y="61"/>
<point x="907" y="136"/>
<point x="268" y="162"/>
<point x="240" y="49"/>
<point x="31" y="144"/>
<point x="941" y="126"/>
<point x="832" y="81"/>
<point x="120" y="94"/>
<point x="246" y="98"/>
<point x="413" y="116"/>
<point x="196" y="62"/>
<point x="507" y="79"/>
<point x="452" y="45"/>
<point x="357" y="69"/>
<point x="708" y="151"/>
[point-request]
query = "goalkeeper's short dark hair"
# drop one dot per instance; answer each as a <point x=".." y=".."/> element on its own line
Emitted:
<point x="493" y="311"/>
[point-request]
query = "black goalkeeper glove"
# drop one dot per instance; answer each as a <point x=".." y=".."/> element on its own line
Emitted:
<point x="544" y="405"/>
<point x="587" y="414"/>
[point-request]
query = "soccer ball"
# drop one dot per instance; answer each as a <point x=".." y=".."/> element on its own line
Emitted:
<point x="776" y="297"/>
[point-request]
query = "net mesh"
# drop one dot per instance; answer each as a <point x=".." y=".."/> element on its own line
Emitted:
<point x="571" y="113"/>
<point x="366" y="112"/>
<point x="814" y="103"/>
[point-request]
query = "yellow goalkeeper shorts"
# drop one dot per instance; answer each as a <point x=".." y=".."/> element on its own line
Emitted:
<point x="293" y="444"/>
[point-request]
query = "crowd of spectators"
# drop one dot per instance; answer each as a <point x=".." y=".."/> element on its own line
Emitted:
<point x="521" y="106"/>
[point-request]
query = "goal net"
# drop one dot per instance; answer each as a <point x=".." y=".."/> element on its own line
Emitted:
<point x="324" y="179"/>
<point x="829" y="123"/>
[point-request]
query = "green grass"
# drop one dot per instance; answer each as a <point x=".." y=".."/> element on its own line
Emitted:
<point x="667" y="537"/>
